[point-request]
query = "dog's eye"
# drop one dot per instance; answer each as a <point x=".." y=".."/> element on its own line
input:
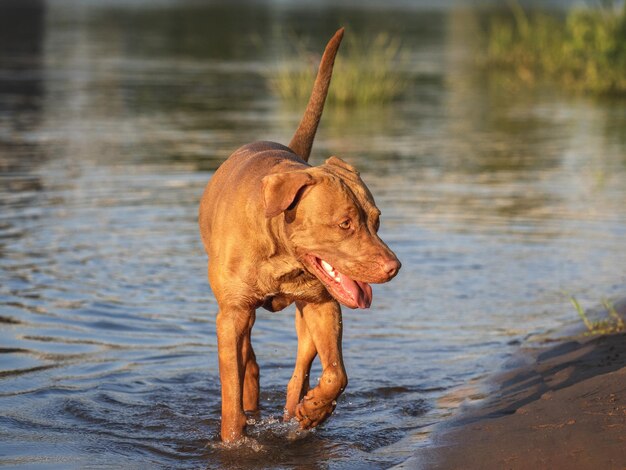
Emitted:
<point x="346" y="224"/>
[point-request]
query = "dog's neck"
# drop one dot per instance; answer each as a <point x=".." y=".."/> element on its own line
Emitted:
<point x="282" y="270"/>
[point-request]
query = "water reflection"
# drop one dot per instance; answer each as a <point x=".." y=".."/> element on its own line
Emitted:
<point x="111" y="121"/>
<point x="21" y="31"/>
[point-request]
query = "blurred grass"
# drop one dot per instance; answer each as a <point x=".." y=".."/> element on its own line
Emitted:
<point x="613" y="324"/>
<point x="368" y="71"/>
<point x="585" y="51"/>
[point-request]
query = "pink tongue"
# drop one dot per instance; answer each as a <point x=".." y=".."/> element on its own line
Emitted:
<point x="361" y="292"/>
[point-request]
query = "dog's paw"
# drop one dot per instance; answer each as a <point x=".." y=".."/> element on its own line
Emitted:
<point x="313" y="410"/>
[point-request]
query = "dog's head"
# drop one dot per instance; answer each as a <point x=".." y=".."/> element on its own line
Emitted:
<point x="331" y="221"/>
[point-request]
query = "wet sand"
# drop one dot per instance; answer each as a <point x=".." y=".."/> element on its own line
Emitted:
<point x="561" y="407"/>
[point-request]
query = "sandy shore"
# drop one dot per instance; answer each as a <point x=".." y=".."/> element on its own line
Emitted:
<point x="564" y="409"/>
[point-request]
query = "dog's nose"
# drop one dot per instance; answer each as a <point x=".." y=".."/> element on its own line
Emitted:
<point x="391" y="267"/>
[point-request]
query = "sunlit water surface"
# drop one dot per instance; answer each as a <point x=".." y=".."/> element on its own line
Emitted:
<point x="112" y="120"/>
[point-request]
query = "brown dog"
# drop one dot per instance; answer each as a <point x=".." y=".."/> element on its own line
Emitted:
<point x="279" y="231"/>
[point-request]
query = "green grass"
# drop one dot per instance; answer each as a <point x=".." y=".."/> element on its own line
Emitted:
<point x="585" y="51"/>
<point x="613" y="324"/>
<point x="367" y="72"/>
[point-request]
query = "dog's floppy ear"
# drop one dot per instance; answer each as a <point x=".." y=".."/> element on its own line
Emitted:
<point x="336" y="161"/>
<point x="281" y="189"/>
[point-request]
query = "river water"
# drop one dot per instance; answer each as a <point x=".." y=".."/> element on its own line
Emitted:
<point x="113" y="116"/>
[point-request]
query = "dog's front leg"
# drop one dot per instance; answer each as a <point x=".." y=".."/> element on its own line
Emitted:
<point x="323" y="322"/>
<point x="299" y="383"/>
<point x="233" y="329"/>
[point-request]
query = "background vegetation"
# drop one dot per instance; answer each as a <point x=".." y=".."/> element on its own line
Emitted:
<point x="368" y="71"/>
<point x="583" y="51"/>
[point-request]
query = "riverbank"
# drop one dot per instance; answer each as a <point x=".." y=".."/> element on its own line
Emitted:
<point x="560" y="407"/>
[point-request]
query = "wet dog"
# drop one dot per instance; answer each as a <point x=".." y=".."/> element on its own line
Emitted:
<point x="279" y="231"/>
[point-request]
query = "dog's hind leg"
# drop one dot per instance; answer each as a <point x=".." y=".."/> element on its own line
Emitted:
<point x="251" y="375"/>
<point x="299" y="384"/>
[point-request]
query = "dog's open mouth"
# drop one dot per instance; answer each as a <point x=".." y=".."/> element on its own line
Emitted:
<point x="351" y="293"/>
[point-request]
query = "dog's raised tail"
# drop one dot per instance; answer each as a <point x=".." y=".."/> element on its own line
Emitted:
<point x="302" y="140"/>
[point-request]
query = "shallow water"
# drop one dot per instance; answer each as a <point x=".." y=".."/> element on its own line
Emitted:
<point x="112" y="120"/>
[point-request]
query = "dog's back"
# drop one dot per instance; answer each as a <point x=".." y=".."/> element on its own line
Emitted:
<point x="227" y="197"/>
